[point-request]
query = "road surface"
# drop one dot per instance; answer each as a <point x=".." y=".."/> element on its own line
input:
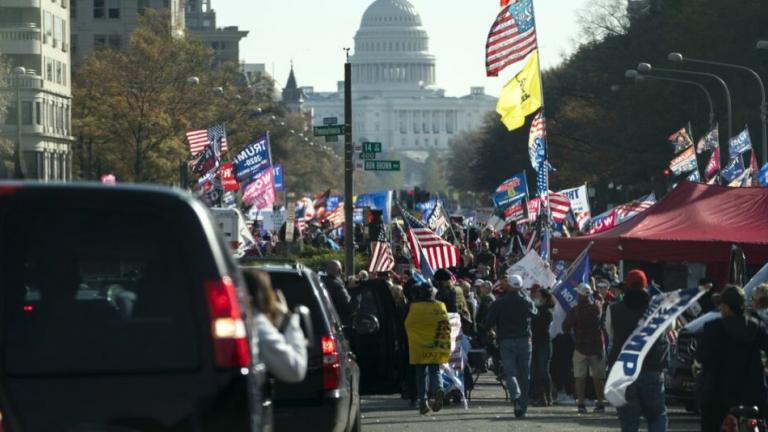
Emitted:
<point x="488" y="411"/>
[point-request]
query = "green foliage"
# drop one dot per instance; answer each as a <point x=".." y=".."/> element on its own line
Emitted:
<point x="603" y="128"/>
<point x="316" y="258"/>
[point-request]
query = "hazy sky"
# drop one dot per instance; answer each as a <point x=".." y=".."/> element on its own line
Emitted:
<point x="313" y="33"/>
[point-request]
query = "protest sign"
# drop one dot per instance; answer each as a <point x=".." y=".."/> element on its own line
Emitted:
<point x="228" y="181"/>
<point x="253" y="159"/>
<point x="533" y="270"/>
<point x="579" y="204"/>
<point x="511" y="190"/>
<point x="261" y="191"/>
<point x="659" y="316"/>
<point x="429" y="337"/>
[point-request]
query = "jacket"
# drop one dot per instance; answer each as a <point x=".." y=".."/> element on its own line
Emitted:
<point x="585" y="321"/>
<point x="511" y="316"/>
<point x="447" y="295"/>
<point x="284" y="355"/>
<point x="339" y="296"/>
<point x="540" y="325"/>
<point x="732" y="368"/>
<point x="622" y="320"/>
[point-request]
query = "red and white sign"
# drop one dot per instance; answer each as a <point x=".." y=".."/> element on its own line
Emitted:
<point x="228" y="180"/>
<point x="108" y="179"/>
<point x="261" y="191"/>
<point x="603" y="222"/>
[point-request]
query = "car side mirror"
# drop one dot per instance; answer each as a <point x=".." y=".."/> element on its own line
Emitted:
<point x="305" y="319"/>
<point x="365" y="324"/>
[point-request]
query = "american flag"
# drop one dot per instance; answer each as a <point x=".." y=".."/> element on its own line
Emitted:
<point x="336" y="217"/>
<point x="382" y="259"/>
<point x="625" y="212"/>
<point x="560" y="205"/>
<point x="424" y="242"/>
<point x="198" y="139"/>
<point x="512" y="37"/>
<point x="537" y="140"/>
<point x="542" y="178"/>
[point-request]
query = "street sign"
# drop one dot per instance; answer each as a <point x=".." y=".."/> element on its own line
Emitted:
<point x="358" y="148"/>
<point x="328" y="121"/>
<point x="382" y="165"/>
<point x="331" y="138"/>
<point x="372" y="147"/>
<point x="367" y="156"/>
<point x="329" y="130"/>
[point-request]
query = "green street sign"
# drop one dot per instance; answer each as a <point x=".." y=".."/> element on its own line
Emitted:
<point x="367" y="156"/>
<point x="329" y="130"/>
<point x="371" y="147"/>
<point x="331" y="138"/>
<point x="382" y="165"/>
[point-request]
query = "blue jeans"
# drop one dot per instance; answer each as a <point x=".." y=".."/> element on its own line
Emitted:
<point x="426" y="373"/>
<point x="516" y="358"/>
<point x="645" y="397"/>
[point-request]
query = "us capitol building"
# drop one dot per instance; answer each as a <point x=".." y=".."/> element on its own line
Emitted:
<point x="395" y="100"/>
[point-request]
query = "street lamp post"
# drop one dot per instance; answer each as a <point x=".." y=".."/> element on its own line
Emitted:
<point x="646" y="68"/>
<point x="18" y="160"/>
<point x="635" y="75"/>
<point x="679" y="58"/>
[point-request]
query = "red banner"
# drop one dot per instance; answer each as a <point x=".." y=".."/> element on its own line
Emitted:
<point x="261" y="191"/>
<point x="228" y="181"/>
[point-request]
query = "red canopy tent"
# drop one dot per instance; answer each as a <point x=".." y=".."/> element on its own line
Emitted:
<point x="693" y="223"/>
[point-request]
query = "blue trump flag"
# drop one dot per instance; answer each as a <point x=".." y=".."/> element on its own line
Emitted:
<point x="377" y="201"/>
<point x="565" y="292"/>
<point x="277" y="172"/>
<point x="511" y="190"/>
<point x="762" y="176"/>
<point x="253" y="159"/>
<point x="740" y="143"/>
<point x="734" y="169"/>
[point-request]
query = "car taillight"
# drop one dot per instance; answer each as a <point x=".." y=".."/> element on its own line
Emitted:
<point x="230" y="344"/>
<point x="751" y="424"/>
<point x="331" y="366"/>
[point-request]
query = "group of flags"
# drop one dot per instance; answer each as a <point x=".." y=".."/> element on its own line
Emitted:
<point x="735" y="173"/>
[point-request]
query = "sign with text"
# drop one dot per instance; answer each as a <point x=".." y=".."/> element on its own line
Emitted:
<point x="228" y="181"/>
<point x="329" y="130"/>
<point x="372" y="147"/>
<point x="253" y="159"/>
<point x="511" y="190"/>
<point x="533" y="270"/>
<point x="383" y="165"/>
<point x="277" y="170"/>
<point x="261" y="191"/>
<point x="367" y="156"/>
<point x="328" y="121"/>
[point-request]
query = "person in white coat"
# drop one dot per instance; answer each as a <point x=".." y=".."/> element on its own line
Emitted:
<point x="281" y="342"/>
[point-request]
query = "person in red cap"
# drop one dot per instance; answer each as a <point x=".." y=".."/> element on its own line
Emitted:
<point x="645" y="397"/>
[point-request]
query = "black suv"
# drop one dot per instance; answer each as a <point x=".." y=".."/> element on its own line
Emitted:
<point x="329" y="397"/>
<point x="122" y="310"/>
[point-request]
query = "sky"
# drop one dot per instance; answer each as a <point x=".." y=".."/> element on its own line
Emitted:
<point x="313" y="34"/>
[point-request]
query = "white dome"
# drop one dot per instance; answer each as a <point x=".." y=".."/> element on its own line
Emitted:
<point x="398" y="13"/>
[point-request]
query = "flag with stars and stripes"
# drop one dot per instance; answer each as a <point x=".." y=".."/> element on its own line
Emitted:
<point x="382" y="259"/>
<point x="512" y="37"/>
<point x="426" y="245"/>
<point x="542" y="178"/>
<point x="537" y="141"/>
<point x="199" y="139"/>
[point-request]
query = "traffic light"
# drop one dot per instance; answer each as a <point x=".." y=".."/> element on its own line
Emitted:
<point x="420" y="196"/>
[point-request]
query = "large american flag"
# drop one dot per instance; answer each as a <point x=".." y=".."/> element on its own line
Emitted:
<point x="421" y="240"/>
<point x="512" y="37"/>
<point x="336" y="217"/>
<point x="382" y="259"/>
<point x="559" y="205"/>
<point x="625" y="212"/>
<point x="198" y="139"/>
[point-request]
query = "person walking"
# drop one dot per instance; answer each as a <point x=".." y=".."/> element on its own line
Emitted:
<point x="542" y="347"/>
<point x="429" y="345"/>
<point x="584" y="320"/>
<point x="511" y="317"/>
<point x="337" y="291"/>
<point x="446" y="293"/>
<point x="645" y="397"/>
<point x="730" y="353"/>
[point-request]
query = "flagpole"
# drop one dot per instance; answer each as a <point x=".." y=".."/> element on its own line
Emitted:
<point x="450" y="226"/>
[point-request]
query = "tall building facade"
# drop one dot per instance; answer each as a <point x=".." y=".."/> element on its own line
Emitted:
<point x="225" y="41"/>
<point x="109" y="23"/>
<point x="35" y="35"/>
<point x="395" y="98"/>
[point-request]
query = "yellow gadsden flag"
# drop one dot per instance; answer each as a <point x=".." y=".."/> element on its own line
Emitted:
<point x="522" y="95"/>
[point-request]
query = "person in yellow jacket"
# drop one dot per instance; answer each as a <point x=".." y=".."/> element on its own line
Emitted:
<point x="429" y="343"/>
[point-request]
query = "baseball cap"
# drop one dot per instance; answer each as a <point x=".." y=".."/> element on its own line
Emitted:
<point x="583" y="289"/>
<point x="515" y="281"/>
<point x="636" y="277"/>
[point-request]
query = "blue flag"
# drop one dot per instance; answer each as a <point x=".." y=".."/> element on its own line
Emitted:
<point x="762" y="176"/>
<point x="542" y="179"/>
<point x="734" y="169"/>
<point x="565" y="292"/>
<point x="740" y="143"/>
<point x="252" y="160"/>
<point x="537" y="141"/>
<point x="426" y="270"/>
<point x="511" y="190"/>
<point x="277" y="172"/>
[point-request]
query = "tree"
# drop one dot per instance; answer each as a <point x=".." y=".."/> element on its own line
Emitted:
<point x="6" y="145"/>
<point x="434" y="174"/>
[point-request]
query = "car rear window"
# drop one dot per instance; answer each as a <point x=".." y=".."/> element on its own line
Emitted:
<point x="298" y="291"/>
<point x="94" y="290"/>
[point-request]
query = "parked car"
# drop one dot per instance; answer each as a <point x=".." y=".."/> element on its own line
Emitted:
<point x="328" y="399"/>
<point x="680" y="382"/>
<point x="122" y="311"/>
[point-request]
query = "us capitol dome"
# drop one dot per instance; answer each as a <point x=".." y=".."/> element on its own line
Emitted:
<point x="395" y="97"/>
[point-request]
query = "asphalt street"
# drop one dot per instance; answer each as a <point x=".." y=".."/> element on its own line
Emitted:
<point x="488" y="411"/>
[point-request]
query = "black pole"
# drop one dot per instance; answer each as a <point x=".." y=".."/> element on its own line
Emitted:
<point x="349" y="237"/>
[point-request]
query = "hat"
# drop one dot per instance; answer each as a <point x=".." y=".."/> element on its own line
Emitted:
<point x="584" y="289"/>
<point x="635" y="277"/>
<point x="442" y="275"/>
<point x="515" y="281"/>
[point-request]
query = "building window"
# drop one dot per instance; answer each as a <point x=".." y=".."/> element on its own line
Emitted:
<point x="114" y="9"/>
<point x="98" y="8"/>
<point x="59" y="73"/>
<point x="58" y="31"/>
<point x="215" y="45"/>
<point x="99" y="41"/>
<point x="416" y="121"/>
<point x="38" y="114"/>
<point x="49" y="70"/>
<point x="48" y="24"/>
<point x="64" y="79"/>
<point x="26" y="113"/>
<point x="115" y="42"/>
<point x="403" y="120"/>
